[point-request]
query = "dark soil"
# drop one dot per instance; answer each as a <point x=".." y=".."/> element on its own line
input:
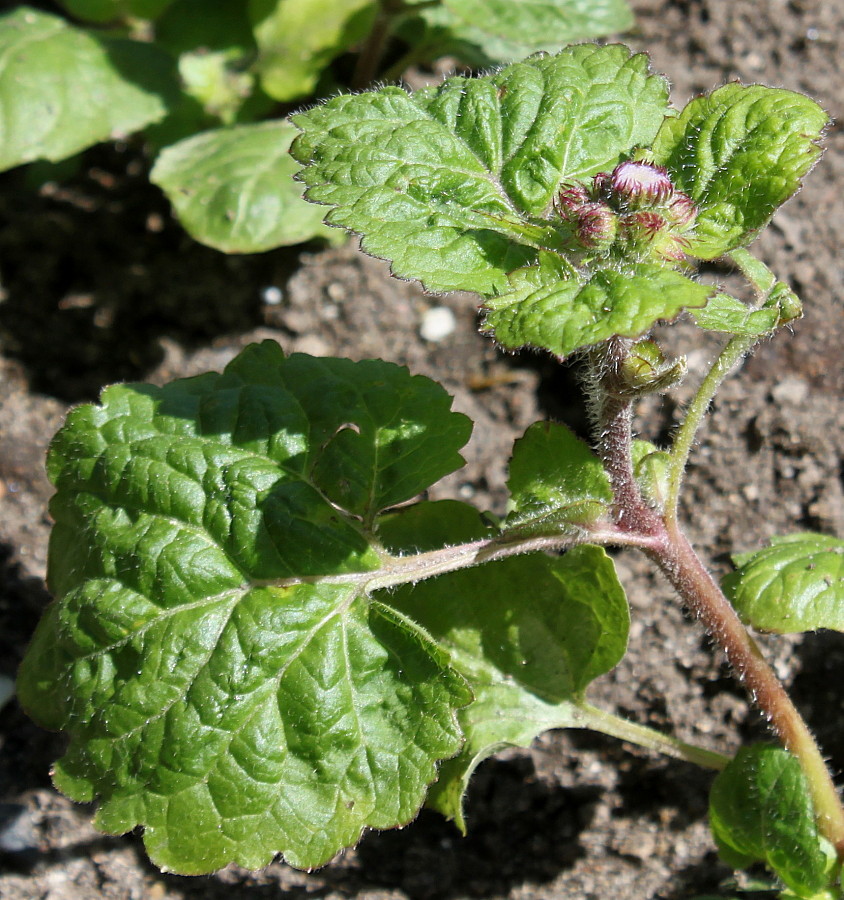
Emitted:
<point x="99" y="285"/>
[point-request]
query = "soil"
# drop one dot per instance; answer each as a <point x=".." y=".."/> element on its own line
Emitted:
<point x="100" y="285"/>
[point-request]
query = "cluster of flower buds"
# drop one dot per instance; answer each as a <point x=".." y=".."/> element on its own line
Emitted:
<point x="635" y="211"/>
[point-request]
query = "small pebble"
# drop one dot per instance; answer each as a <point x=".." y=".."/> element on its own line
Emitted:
<point x="17" y="832"/>
<point x="437" y="324"/>
<point x="272" y="295"/>
<point x="791" y="390"/>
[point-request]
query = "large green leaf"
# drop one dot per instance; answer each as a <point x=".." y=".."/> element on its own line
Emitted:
<point x="555" y="481"/>
<point x="63" y="89"/>
<point x="225" y="680"/>
<point x="233" y="188"/>
<point x="482" y="32"/>
<point x="452" y="183"/>
<point x="739" y="152"/>
<point x="529" y="634"/>
<point x="547" y="309"/>
<point x="760" y="809"/>
<point x="297" y="39"/>
<point x="796" y="584"/>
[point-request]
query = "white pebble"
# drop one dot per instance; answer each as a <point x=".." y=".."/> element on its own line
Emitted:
<point x="437" y="324"/>
<point x="272" y="295"/>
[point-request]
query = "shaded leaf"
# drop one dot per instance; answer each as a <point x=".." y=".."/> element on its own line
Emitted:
<point x="451" y="183"/>
<point x="297" y="39"/>
<point x="555" y="481"/>
<point x="63" y="89"/>
<point x="528" y="633"/>
<point x="112" y="10"/>
<point x="233" y="188"/>
<point x="760" y="810"/>
<point x="225" y="681"/>
<point x="796" y="584"/>
<point x="739" y="152"/>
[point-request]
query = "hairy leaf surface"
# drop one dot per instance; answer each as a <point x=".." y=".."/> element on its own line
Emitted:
<point x="233" y="188"/>
<point x="730" y="315"/>
<point x="544" y="309"/>
<point x="796" y="584"/>
<point x="760" y="810"/>
<point x="451" y="184"/>
<point x="555" y="481"/>
<point x="529" y="634"/>
<point x="223" y="676"/>
<point x="739" y="152"/>
<point x="63" y="89"/>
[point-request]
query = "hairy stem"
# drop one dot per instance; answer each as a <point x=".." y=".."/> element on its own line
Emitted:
<point x="762" y="280"/>
<point x="669" y="549"/>
<point x="736" y="348"/>
<point x="613" y="410"/>
<point x="615" y="726"/>
<point x="681" y="565"/>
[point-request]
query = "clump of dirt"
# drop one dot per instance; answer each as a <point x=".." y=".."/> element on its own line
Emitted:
<point x="100" y="285"/>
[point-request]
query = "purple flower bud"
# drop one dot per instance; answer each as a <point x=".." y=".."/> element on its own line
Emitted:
<point x="682" y="210"/>
<point x="640" y="183"/>
<point x="570" y="199"/>
<point x="596" y="225"/>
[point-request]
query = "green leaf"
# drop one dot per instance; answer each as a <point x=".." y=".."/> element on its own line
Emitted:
<point x="233" y="188"/>
<point x="796" y="584"/>
<point x="561" y="314"/>
<point x="223" y="676"/>
<point x="555" y="482"/>
<point x="297" y="39"/>
<point x="529" y="634"/>
<point x="728" y="314"/>
<point x="101" y="11"/>
<point x="451" y="184"/>
<point x="760" y="809"/>
<point x="63" y="89"/>
<point x="484" y="32"/>
<point x="739" y="152"/>
<point x="651" y="467"/>
<point x="216" y="49"/>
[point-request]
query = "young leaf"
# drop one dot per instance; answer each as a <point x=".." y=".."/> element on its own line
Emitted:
<point x="729" y="314"/>
<point x="796" y="584"/>
<point x="223" y="676"/>
<point x="233" y="188"/>
<point x="528" y="657"/>
<point x="63" y="89"/>
<point x="296" y="41"/>
<point x="451" y="184"/>
<point x="760" y="809"/>
<point x="555" y="480"/>
<point x="651" y="467"/>
<point x="739" y="152"/>
<point x="542" y="309"/>
<point x="484" y="32"/>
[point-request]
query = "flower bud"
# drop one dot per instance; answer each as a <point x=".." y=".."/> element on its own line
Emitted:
<point x="638" y="184"/>
<point x="681" y="210"/>
<point x="596" y="225"/>
<point x="646" y="370"/>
